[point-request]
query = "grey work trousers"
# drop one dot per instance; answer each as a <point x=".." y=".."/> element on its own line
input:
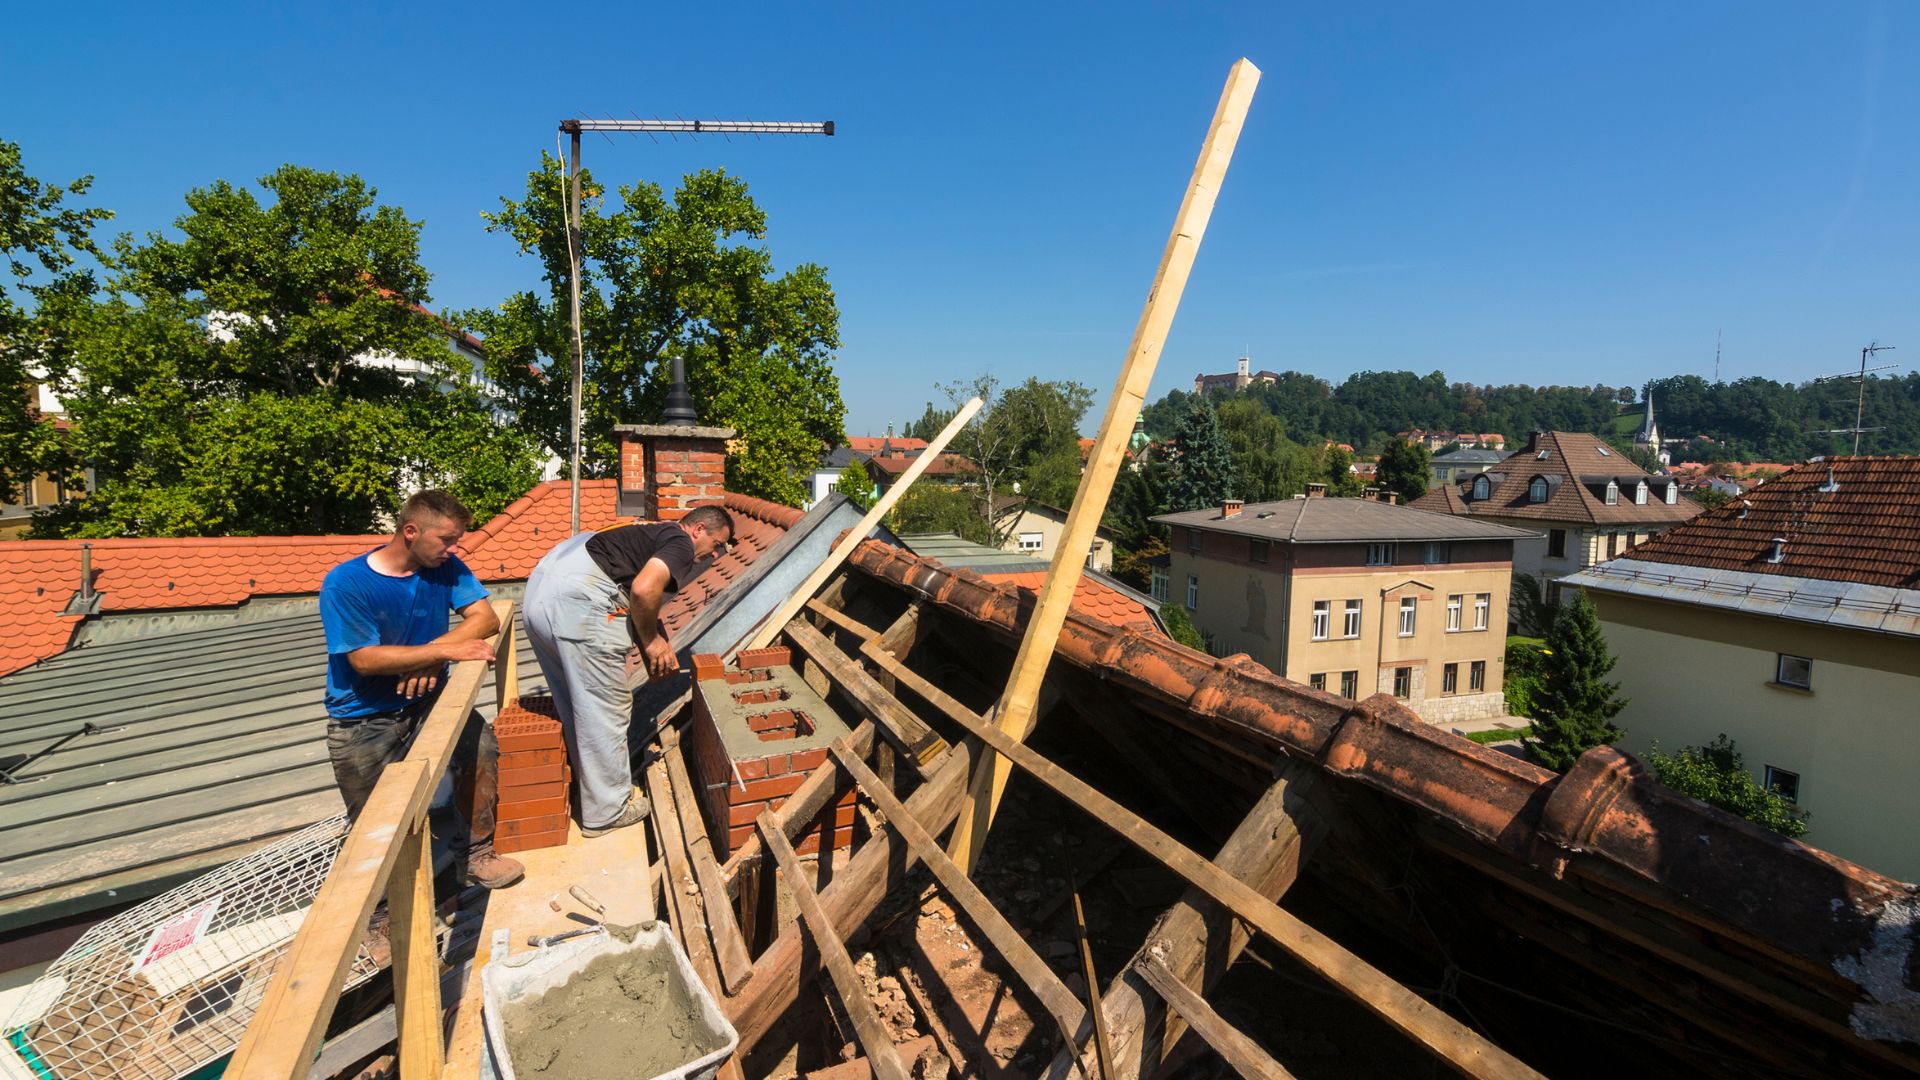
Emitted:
<point x="575" y="620"/>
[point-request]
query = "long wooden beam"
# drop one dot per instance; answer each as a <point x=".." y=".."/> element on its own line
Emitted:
<point x="1027" y="964"/>
<point x="1015" y="715"/>
<point x="771" y="626"/>
<point x="729" y="946"/>
<point x="867" y="1025"/>
<point x="915" y="739"/>
<point x="1230" y="1042"/>
<point x="1458" y="1045"/>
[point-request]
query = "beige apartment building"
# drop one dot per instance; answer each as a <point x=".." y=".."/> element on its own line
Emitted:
<point x="1354" y="597"/>
<point x="1789" y="621"/>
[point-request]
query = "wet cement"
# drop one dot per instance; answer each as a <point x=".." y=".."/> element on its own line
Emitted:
<point x="621" y="1017"/>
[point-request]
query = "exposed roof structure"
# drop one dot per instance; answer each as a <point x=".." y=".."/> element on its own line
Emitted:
<point x="1333" y="521"/>
<point x="1577" y="467"/>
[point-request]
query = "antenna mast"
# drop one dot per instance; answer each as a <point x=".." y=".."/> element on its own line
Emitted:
<point x="1860" y="402"/>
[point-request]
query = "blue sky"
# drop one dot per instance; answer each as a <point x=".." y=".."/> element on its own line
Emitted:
<point x="1508" y="192"/>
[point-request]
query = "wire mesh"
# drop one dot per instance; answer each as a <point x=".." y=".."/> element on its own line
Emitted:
<point x="169" y="985"/>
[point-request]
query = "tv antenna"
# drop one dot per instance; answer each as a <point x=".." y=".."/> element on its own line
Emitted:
<point x="1860" y="403"/>
<point x="1716" y="354"/>
<point x="574" y="128"/>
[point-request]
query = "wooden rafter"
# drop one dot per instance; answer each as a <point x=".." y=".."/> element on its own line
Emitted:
<point x="1230" y="1042"/>
<point x="729" y="946"/>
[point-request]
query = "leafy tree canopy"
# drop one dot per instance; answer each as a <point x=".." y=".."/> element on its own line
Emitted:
<point x="1573" y="705"/>
<point x="662" y="278"/>
<point x="1404" y="469"/>
<point x="1025" y="437"/>
<point x="855" y="484"/>
<point x="939" y="508"/>
<point x="1200" y="470"/>
<point x="1715" y="775"/>
<point x="217" y="385"/>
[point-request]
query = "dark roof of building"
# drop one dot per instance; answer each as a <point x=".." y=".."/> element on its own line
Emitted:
<point x="1333" y="521"/>
<point x="1567" y="459"/>
<point x="1468" y="455"/>
<point x="1854" y="519"/>
<point x="944" y="465"/>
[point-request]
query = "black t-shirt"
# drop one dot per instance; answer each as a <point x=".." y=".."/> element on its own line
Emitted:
<point x="623" y="550"/>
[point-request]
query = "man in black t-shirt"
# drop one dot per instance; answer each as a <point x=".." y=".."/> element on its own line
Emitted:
<point x="586" y="603"/>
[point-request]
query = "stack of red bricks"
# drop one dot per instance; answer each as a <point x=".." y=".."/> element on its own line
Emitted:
<point x="534" y="774"/>
<point x="674" y="470"/>
<point x="736" y="789"/>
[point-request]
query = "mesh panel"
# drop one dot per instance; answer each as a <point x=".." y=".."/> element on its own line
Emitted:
<point x="170" y="985"/>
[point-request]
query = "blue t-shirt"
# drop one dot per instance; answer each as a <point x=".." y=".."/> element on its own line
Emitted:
<point x="361" y="606"/>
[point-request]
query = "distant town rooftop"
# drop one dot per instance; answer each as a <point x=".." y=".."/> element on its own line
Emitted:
<point x="1332" y="521"/>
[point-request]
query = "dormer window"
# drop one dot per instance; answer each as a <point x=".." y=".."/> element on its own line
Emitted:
<point x="1542" y="455"/>
<point x="1482" y="487"/>
<point x="1673" y="493"/>
<point x="1537" y="490"/>
<point x="1613" y="493"/>
<point x="1640" y="493"/>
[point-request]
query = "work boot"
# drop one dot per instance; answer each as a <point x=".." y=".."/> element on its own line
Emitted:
<point x="486" y="869"/>
<point x="633" y="813"/>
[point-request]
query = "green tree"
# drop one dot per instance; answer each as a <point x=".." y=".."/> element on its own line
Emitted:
<point x="1024" y="428"/>
<point x="1530" y="610"/>
<point x="1200" y="469"/>
<point x="1404" y="469"/>
<point x="41" y="240"/>
<point x="1715" y="775"/>
<point x="663" y="278"/>
<point x="855" y="484"/>
<point x="1709" y="497"/>
<point x="1573" y="705"/>
<point x="1180" y="628"/>
<point x="218" y="386"/>
<point x="939" y="508"/>
<point x="931" y="423"/>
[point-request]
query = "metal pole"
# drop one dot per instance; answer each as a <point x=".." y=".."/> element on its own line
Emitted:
<point x="1860" y="404"/>
<point x="573" y="280"/>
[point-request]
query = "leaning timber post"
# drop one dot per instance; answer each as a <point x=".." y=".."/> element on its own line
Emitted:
<point x="1201" y="939"/>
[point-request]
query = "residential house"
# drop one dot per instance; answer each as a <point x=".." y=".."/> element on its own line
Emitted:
<point x="1583" y="500"/>
<point x="1789" y="620"/>
<point x="1456" y="465"/>
<point x="1236" y="380"/>
<point x="886" y="466"/>
<point x="821" y="481"/>
<point x="1354" y="597"/>
<point x="1033" y="528"/>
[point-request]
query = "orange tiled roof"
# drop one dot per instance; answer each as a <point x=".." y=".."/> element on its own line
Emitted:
<point x="758" y="525"/>
<point x="871" y="444"/>
<point x="1091" y="598"/>
<point x="507" y="546"/>
<point x="944" y="465"/>
<point x="1577" y="466"/>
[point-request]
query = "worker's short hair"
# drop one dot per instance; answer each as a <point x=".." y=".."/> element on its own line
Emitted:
<point x="713" y="517"/>
<point x="434" y="503"/>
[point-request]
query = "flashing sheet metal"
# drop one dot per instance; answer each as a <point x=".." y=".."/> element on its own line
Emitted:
<point x="1851" y="605"/>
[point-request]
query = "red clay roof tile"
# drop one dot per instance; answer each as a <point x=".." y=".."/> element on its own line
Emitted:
<point x="1091" y="598"/>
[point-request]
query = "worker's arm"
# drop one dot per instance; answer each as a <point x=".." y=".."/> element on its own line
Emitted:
<point x="464" y="642"/>
<point x="649" y="591"/>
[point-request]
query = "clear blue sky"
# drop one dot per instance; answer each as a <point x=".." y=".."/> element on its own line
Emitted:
<point x="1508" y="192"/>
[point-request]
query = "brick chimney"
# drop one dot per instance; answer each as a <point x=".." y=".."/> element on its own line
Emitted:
<point x="1230" y="507"/>
<point x="1316" y="491"/>
<point x="668" y="469"/>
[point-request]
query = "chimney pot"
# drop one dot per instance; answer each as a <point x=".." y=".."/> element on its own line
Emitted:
<point x="1316" y="491"/>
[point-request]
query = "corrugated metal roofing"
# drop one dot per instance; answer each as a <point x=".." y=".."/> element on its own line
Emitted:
<point x="1332" y="521"/>
<point x="1848" y="604"/>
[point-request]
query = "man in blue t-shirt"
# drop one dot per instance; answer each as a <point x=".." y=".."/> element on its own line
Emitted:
<point x="388" y="647"/>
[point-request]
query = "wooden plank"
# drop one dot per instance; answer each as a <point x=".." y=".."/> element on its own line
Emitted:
<point x="801" y="807"/>
<point x="689" y="919"/>
<point x="416" y="964"/>
<point x="506" y="661"/>
<point x="736" y="967"/>
<point x="843" y="620"/>
<point x="867" y="1025"/>
<point x="918" y="742"/>
<point x="1033" y="971"/>
<point x="1442" y="1034"/>
<point x="881" y="863"/>
<point x="1229" y="1042"/>
<point x="1016" y="714"/>
<point x="1102" y="1046"/>
<point x="782" y="615"/>
<point x="285" y="1031"/>
<point x="440" y="731"/>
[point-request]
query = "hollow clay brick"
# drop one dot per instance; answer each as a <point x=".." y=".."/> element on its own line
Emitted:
<point x="773" y="656"/>
<point x="532" y="808"/>
<point x="506" y="845"/>
<point x="527" y="759"/>
<point x="534" y="774"/>
<point x="531" y="826"/>
<point x="708" y="666"/>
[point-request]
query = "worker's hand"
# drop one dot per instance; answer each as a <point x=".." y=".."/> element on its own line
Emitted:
<point x="470" y="649"/>
<point x="419" y="682"/>
<point x="660" y="659"/>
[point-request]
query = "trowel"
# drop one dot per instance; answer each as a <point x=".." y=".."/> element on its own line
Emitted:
<point x="621" y="931"/>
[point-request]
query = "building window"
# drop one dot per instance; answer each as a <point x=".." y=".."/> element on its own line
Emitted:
<point x="1619" y="543"/>
<point x="1450" y="679"/>
<point x="1482" y="487"/>
<point x="1481" y="603"/>
<point x="1783" y="783"/>
<point x="1193" y="593"/>
<point x="1317" y="680"/>
<point x="1403" y="682"/>
<point x="1322" y="615"/>
<point x="1409" y="611"/>
<point x="1613" y="493"/>
<point x="1556" y="543"/>
<point x="1257" y="550"/>
<point x="1477" y="676"/>
<point x="1350" y="627"/>
<point x="1794" y="671"/>
<point x="1160" y="584"/>
<point x="1193" y="539"/>
<point x="1032" y="541"/>
<point x="1379" y="554"/>
<point x="1673" y="492"/>
<point x="1436" y="552"/>
<point x="1453" y="611"/>
<point x="1640" y="494"/>
<point x="1537" y="490"/>
<point x="1349" y="684"/>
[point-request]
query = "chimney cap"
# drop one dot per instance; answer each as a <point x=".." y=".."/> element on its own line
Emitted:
<point x="1231" y="507"/>
<point x="679" y="411"/>
<point x="1316" y="490"/>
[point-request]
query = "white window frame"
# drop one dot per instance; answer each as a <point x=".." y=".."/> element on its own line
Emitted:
<point x="1482" y="610"/>
<point x="1403" y="682"/>
<point x="1380" y="554"/>
<point x="1350" y="684"/>
<point x="1482" y="488"/>
<point x="1350" y="620"/>
<point x="1033" y="541"/>
<point x="1409" y="615"/>
<point x="1673" y="493"/>
<point x="1158" y="583"/>
<point x="1537" y="490"/>
<point x="1193" y="593"/>
<point x="1454" y="603"/>
<point x="1640" y="493"/>
<point x="1613" y="493"/>
<point x="1322" y="619"/>
<point x="1477" y="677"/>
<point x="1805" y="679"/>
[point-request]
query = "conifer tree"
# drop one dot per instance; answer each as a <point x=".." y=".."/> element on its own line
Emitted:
<point x="1200" y="466"/>
<point x="1573" y="705"/>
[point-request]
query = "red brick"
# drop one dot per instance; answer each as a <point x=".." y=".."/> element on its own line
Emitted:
<point x="675" y="491"/>
<point x="532" y="808"/>
<point x="530" y="793"/>
<point x="517" y="737"/>
<point x="533" y="774"/>
<point x="506" y="845"/>
<point x="735" y="678"/>
<point x="744" y="813"/>
<point x="532" y="826"/>
<point x="809" y="760"/>
<point x="761" y="696"/>
<point x="778" y="787"/>
<point x="810" y="842"/>
<point x="527" y="759"/>
<point x="708" y="666"/>
<point x="773" y="656"/>
<point x="755" y="768"/>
